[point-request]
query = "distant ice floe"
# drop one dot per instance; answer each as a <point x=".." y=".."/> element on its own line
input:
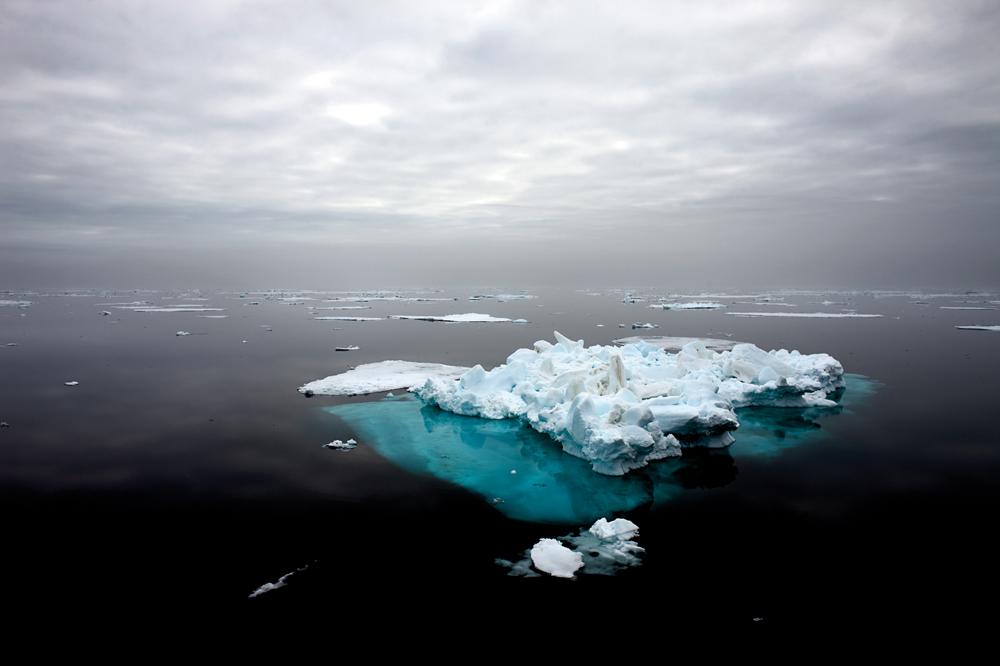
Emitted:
<point x="72" y="383"/>
<point x="502" y="297"/>
<point x="465" y="318"/>
<point x="15" y="304"/>
<point x="382" y="376"/>
<point x="621" y="407"/>
<point x="965" y="307"/>
<point x="644" y="325"/>
<point x="694" y="305"/>
<point x="604" y="549"/>
<point x="995" y="329"/>
<point x="404" y="299"/>
<point x="182" y="333"/>
<point x="807" y="315"/>
<point x="214" y="316"/>
<point x="281" y="582"/>
<point x="347" y="348"/>
<point x="349" y="318"/>
<point x="346" y="307"/>
<point x="675" y="344"/>
<point x="169" y="308"/>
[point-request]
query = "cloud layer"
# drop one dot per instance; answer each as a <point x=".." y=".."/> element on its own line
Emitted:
<point x="467" y="125"/>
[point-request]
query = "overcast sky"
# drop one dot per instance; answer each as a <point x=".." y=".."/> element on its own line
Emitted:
<point x="322" y="143"/>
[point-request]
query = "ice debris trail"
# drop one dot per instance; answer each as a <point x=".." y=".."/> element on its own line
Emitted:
<point x="622" y="407"/>
<point x="604" y="549"/>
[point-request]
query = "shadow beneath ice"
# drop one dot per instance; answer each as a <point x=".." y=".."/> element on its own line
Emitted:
<point x="526" y="475"/>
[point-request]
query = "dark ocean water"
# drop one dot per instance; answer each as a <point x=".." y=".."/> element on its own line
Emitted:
<point x="184" y="472"/>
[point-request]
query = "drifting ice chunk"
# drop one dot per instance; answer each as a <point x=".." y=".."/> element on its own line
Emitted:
<point x="347" y="348"/>
<point x="553" y="558"/>
<point x="995" y="329"/>
<point x="348" y="318"/>
<point x="72" y="383"/>
<point x="965" y="307"/>
<point x="281" y="582"/>
<point x="604" y="549"/>
<point x="181" y="333"/>
<point x="16" y="304"/>
<point x="468" y="317"/>
<point x="646" y="325"/>
<point x="383" y="376"/>
<point x="622" y="407"/>
<point x="338" y="445"/>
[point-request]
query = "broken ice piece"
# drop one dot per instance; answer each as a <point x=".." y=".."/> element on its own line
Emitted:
<point x="555" y="559"/>
<point x="72" y="383"/>
<point x="347" y="348"/>
<point x="182" y="333"/>
<point x="338" y="445"/>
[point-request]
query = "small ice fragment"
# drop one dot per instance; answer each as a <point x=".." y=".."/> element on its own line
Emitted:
<point x="496" y="500"/>
<point x="338" y="445"/>
<point x="72" y="383"/>
<point x="555" y="559"/>
<point x="4" y="424"/>
<point x="243" y="342"/>
<point x="182" y="333"/>
<point x="347" y="348"/>
<point x="646" y="325"/>
<point x="513" y="471"/>
<point x="11" y="344"/>
<point x="105" y="313"/>
<point x="281" y="582"/>
<point x="390" y="395"/>
<point x="995" y="329"/>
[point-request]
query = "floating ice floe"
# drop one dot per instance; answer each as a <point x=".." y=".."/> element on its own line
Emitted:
<point x="346" y="307"/>
<point x="182" y="333"/>
<point x="105" y="313"/>
<point x="695" y="305"/>
<point x="965" y="307"/>
<point x="347" y="348"/>
<point x="622" y="407"/>
<point x="604" y="549"/>
<point x="214" y="316"/>
<point x="281" y="582"/>
<point x="382" y="376"/>
<point x="646" y="325"/>
<point x="341" y="446"/>
<point x="168" y="309"/>
<point x="15" y="304"/>
<point x="807" y="315"/>
<point x="675" y="344"/>
<point x="348" y="318"/>
<point x="995" y="329"/>
<point x="72" y="383"/>
<point x="464" y="318"/>
<point x="502" y="297"/>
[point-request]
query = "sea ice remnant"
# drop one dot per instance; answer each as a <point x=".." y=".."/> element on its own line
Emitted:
<point x="622" y="407"/>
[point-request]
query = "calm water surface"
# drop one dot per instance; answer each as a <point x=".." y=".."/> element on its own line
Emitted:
<point x="184" y="472"/>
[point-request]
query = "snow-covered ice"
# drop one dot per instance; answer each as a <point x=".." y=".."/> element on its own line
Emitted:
<point x="644" y="325"/>
<point x="694" y="305"/>
<point x="622" y="407"/>
<point x="281" y="582"/>
<point x="807" y="315"/>
<point x="995" y="329"/>
<point x="555" y="559"/>
<point x="168" y="309"/>
<point x="348" y="318"/>
<point x="467" y="317"/>
<point x="382" y="376"/>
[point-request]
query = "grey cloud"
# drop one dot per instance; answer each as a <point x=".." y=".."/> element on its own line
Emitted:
<point x="303" y="127"/>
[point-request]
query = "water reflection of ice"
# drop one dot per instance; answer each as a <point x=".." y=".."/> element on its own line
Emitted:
<point x="549" y="486"/>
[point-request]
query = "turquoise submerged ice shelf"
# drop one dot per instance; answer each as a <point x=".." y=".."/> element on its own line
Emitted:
<point x="548" y="485"/>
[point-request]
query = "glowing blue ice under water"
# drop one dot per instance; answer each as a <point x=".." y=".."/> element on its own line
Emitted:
<point x="550" y="486"/>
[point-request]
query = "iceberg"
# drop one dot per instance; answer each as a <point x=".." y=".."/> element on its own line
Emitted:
<point x="468" y="317"/>
<point x="620" y="408"/>
<point x="382" y="376"/>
